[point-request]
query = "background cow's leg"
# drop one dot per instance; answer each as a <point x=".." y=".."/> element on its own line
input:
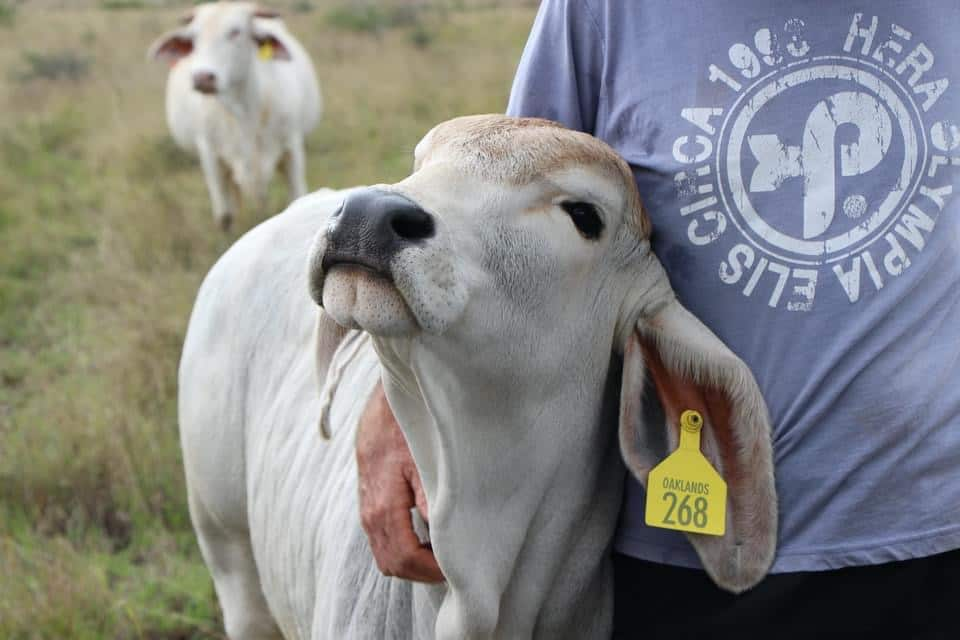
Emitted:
<point x="234" y="192"/>
<point x="296" y="167"/>
<point x="217" y="186"/>
<point x="229" y="557"/>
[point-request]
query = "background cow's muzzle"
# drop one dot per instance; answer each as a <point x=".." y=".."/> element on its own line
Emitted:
<point x="205" y="82"/>
<point x="371" y="227"/>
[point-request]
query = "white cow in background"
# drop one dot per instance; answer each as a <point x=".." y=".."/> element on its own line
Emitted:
<point x="242" y="94"/>
<point x="491" y="290"/>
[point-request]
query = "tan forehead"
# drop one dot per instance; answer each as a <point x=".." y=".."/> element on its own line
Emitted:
<point x="518" y="150"/>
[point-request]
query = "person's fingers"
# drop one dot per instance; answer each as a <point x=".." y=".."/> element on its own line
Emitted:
<point x="396" y="547"/>
<point x="409" y="559"/>
<point x="421" y="566"/>
<point x="419" y="495"/>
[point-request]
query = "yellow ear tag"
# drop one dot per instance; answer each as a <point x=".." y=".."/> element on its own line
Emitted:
<point x="266" y="50"/>
<point x="685" y="492"/>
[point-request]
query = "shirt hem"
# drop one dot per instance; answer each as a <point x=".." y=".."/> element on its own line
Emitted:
<point x="791" y="562"/>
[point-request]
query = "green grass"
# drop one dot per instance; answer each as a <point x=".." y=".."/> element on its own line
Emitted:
<point x="372" y="18"/>
<point x="116" y="5"/>
<point x="8" y="14"/>
<point x="54" y="65"/>
<point x="105" y="235"/>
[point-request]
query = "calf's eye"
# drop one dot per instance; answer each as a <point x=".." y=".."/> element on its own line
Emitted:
<point x="585" y="218"/>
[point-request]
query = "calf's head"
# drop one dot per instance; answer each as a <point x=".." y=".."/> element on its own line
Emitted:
<point x="222" y="40"/>
<point x="519" y="251"/>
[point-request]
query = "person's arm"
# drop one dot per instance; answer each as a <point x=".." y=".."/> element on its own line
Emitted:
<point x="389" y="487"/>
<point x="558" y="79"/>
<point x="560" y="73"/>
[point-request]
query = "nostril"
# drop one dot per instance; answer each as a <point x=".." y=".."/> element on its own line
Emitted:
<point x="412" y="224"/>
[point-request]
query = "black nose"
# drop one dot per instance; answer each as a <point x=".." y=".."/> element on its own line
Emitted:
<point x="372" y="225"/>
<point x="205" y="81"/>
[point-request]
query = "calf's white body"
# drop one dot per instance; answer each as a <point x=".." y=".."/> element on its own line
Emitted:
<point x="495" y="325"/>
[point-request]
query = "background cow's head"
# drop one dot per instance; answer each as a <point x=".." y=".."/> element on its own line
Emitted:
<point x="222" y="41"/>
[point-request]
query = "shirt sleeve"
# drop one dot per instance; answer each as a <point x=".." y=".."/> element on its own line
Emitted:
<point x="560" y="72"/>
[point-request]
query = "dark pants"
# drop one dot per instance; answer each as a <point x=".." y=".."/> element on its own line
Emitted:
<point x="912" y="599"/>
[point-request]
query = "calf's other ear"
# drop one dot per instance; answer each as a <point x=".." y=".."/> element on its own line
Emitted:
<point x="171" y="47"/>
<point x="690" y="368"/>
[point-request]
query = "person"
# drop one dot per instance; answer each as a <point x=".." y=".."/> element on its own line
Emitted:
<point x="799" y="162"/>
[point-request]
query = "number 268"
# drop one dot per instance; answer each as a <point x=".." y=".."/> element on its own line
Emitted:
<point x="684" y="514"/>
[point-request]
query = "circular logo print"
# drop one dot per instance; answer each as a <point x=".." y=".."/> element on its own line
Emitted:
<point x="796" y="146"/>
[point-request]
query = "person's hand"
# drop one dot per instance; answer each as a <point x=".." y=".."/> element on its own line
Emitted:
<point x="389" y="487"/>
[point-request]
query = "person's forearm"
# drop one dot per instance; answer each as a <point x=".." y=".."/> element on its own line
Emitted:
<point x="389" y="488"/>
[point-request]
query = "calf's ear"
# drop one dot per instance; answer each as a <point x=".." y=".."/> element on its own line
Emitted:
<point x="171" y="47"/>
<point x="270" y="47"/>
<point x="690" y="368"/>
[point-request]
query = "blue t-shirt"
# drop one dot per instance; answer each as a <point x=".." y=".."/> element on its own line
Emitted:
<point x="799" y="161"/>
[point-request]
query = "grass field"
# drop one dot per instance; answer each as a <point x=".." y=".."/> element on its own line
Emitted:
<point x="105" y="234"/>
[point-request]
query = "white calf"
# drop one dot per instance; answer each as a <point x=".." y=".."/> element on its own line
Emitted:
<point x="242" y="94"/>
<point x="495" y="286"/>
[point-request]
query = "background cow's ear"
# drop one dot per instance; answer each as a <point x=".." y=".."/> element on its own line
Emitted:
<point x="270" y="47"/>
<point x="263" y="12"/>
<point x="171" y="47"/>
<point x="690" y="368"/>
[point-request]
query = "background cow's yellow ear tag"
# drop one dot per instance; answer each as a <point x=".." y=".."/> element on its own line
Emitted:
<point x="266" y="50"/>
<point x="685" y="492"/>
